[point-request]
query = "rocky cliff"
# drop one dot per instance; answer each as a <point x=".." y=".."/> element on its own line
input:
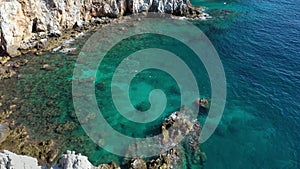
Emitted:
<point x="24" y="20"/>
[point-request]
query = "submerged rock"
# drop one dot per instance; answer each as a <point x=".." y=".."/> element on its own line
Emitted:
<point x="6" y="72"/>
<point x="17" y="140"/>
<point x="203" y="102"/>
<point x="3" y="132"/>
<point x="47" y="67"/>
<point x="179" y="124"/>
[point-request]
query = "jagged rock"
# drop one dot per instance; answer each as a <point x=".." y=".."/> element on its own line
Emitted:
<point x="203" y="102"/>
<point x="9" y="160"/>
<point x="97" y="20"/>
<point x="55" y="33"/>
<point x="165" y="134"/>
<point x="74" y="161"/>
<point x="180" y="123"/>
<point x="41" y="44"/>
<point x="138" y="164"/>
<point x="19" y="63"/>
<point x="22" y="20"/>
<point x="4" y="59"/>
<point x="78" y="161"/>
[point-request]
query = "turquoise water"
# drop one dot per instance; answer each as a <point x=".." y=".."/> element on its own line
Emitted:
<point x="259" y="45"/>
<point x="260" y="51"/>
<point x="145" y="82"/>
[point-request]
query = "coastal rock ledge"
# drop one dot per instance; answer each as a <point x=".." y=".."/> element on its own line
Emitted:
<point x="23" y="22"/>
<point x="9" y="160"/>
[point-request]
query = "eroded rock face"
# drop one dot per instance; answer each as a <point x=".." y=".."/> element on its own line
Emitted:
<point x="74" y="161"/>
<point x="23" y="20"/>
<point x="176" y="7"/>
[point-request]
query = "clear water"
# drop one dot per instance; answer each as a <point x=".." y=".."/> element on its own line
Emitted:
<point x="145" y="82"/>
<point x="259" y="45"/>
<point x="260" y="50"/>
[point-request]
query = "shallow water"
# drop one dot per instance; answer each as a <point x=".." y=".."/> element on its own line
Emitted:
<point x="259" y="45"/>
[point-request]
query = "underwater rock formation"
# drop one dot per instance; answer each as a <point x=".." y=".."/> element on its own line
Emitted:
<point x="3" y="132"/>
<point x="179" y="125"/>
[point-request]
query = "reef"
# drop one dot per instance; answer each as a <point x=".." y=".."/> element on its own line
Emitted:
<point x="46" y="153"/>
<point x="16" y="138"/>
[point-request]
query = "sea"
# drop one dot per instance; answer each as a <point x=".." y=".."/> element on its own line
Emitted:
<point x="258" y="42"/>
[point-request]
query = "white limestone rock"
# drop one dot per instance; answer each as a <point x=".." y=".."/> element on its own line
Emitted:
<point x="9" y="160"/>
<point x="21" y="20"/>
<point x="74" y="161"/>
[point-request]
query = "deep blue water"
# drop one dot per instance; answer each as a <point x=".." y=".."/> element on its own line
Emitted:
<point x="260" y="50"/>
<point x="259" y="46"/>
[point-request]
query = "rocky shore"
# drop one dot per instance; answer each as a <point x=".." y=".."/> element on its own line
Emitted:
<point x="35" y="27"/>
<point x="28" y="24"/>
<point x="71" y="160"/>
<point x="173" y="158"/>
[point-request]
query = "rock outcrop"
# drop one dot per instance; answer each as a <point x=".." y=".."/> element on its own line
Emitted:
<point x="180" y="123"/>
<point x="24" y="22"/>
<point x="73" y="161"/>
<point x="9" y="160"/>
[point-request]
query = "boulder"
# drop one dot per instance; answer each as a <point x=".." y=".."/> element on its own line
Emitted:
<point x="9" y="160"/>
<point x="47" y="67"/>
<point x="74" y="161"/>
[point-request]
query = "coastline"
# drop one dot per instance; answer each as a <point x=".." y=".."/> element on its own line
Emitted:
<point x="28" y="24"/>
<point x="259" y="122"/>
<point x="55" y="42"/>
<point x="47" y="151"/>
<point x="172" y="158"/>
<point x="62" y="43"/>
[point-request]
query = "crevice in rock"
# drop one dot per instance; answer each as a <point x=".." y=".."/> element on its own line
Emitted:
<point x="34" y="25"/>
